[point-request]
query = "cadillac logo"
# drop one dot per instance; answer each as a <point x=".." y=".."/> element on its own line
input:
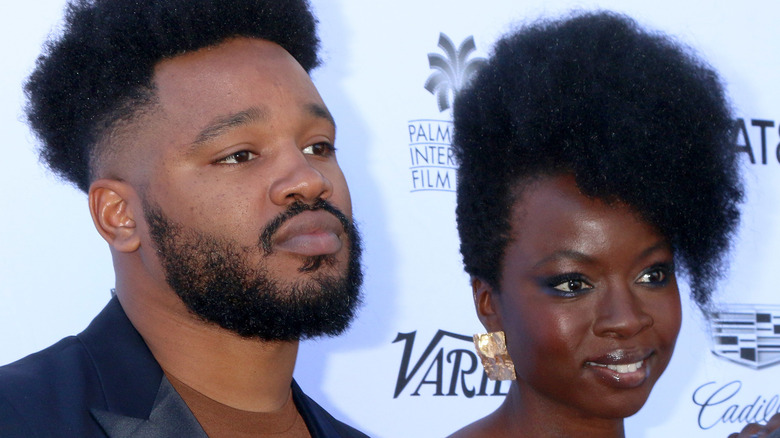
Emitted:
<point x="747" y="334"/>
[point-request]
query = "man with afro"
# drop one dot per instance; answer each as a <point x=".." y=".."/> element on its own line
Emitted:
<point x="208" y="159"/>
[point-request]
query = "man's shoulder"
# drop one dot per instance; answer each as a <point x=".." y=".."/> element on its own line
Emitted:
<point x="41" y="371"/>
<point x="52" y="392"/>
<point x="44" y="387"/>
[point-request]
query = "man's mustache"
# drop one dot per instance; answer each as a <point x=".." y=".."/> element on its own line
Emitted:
<point x="295" y="209"/>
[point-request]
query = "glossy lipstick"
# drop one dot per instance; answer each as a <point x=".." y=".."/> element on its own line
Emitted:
<point x="622" y="369"/>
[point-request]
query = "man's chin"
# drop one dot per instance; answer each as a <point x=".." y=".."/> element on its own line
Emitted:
<point x="315" y="263"/>
<point x="294" y="267"/>
<point x="274" y="297"/>
<point x="312" y="305"/>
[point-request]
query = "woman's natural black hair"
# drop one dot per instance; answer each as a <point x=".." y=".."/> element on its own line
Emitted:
<point x="634" y="116"/>
<point x="98" y="71"/>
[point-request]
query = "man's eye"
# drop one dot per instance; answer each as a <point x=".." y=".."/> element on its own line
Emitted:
<point x="321" y="149"/>
<point x="238" y="157"/>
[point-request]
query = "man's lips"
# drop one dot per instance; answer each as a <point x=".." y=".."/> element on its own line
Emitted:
<point x="310" y="233"/>
<point x="621" y="368"/>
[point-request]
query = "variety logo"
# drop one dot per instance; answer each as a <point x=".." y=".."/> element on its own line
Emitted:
<point x="447" y="365"/>
<point x="432" y="164"/>
<point x="748" y="335"/>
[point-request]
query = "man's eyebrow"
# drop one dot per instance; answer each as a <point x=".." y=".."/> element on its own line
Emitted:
<point x="222" y="124"/>
<point x="320" y="111"/>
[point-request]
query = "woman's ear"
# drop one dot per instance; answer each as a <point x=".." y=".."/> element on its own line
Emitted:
<point x="486" y="305"/>
<point x="112" y="214"/>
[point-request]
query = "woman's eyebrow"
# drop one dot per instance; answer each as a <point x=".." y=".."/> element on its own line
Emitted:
<point x="660" y="245"/>
<point x="567" y="254"/>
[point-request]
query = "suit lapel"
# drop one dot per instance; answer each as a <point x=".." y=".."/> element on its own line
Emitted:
<point x="170" y="417"/>
<point x="129" y="375"/>
<point x="313" y="415"/>
<point x="136" y="400"/>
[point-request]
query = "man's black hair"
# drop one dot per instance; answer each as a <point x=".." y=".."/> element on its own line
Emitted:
<point x="634" y="116"/>
<point x="98" y="71"/>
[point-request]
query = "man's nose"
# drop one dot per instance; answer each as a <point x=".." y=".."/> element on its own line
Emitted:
<point x="297" y="179"/>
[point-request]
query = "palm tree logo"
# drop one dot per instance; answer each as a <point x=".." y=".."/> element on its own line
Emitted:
<point x="451" y="72"/>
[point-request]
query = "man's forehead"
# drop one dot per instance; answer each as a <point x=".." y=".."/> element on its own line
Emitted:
<point x="201" y="94"/>
<point x="231" y="51"/>
<point x="235" y="76"/>
<point x="224" y="123"/>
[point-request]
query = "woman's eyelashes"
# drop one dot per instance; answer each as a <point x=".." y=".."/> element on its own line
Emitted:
<point x="657" y="275"/>
<point x="572" y="284"/>
<point x="568" y="284"/>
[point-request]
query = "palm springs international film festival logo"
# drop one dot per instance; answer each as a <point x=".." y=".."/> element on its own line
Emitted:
<point x="747" y="334"/>
<point x="432" y="166"/>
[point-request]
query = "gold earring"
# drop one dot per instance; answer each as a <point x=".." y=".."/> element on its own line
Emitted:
<point x="491" y="348"/>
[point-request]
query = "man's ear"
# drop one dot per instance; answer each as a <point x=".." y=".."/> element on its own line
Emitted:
<point x="486" y="305"/>
<point x="112" y="214"/>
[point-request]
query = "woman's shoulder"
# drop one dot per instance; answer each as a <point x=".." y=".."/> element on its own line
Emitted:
<point x="473" y="430"/>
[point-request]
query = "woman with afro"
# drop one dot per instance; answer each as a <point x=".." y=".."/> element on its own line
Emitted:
<point x="596" y="164"/>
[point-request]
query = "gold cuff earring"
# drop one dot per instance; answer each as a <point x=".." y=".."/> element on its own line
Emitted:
<point x="491" y="348"/>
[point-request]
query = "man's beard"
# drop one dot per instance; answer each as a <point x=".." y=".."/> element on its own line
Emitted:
<point x="213" y="278"/>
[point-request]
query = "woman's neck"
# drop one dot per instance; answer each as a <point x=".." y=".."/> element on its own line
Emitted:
<point x="537" y="417"/>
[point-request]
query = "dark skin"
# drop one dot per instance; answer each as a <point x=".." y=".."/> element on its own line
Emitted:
<point x="237" y="133"/>
<point x="762" y="430"/>
<point x="589" y="303"/>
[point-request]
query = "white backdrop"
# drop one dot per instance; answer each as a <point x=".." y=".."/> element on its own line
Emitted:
<point x="55" y="271"/>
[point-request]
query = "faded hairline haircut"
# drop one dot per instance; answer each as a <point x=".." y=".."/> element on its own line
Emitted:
<point x="633" y="115"/>
<point x="98" y="71"/>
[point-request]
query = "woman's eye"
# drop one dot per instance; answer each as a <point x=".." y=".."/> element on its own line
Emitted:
<point x="574" y="285"/>
<point x="321" y="149"/>
<point x="655" y="275"/>
<point x="568" y="285"/>
<point x="238" y="157"/>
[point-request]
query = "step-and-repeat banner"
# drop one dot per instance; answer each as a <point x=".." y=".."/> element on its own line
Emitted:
<point x="406" y="367"/>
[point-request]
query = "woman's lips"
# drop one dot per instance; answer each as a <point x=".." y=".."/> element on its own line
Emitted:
<point x="621" y="369"/>
<point x="309" y="234"/>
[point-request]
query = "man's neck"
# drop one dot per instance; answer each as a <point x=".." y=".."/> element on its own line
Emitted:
<point x="246" y="374"/>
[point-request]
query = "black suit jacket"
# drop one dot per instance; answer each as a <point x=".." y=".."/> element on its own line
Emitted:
<point x="105" y="382"/>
